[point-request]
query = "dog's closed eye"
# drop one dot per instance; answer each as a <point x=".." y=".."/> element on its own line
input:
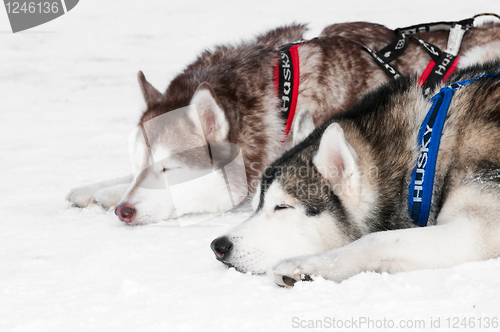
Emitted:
<point x="168" y="169"/>
<point x="282" y="206"/>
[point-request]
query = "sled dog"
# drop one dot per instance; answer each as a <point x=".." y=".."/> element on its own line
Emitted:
<point x="234" y="90"/>
<point x="337" y="204"/>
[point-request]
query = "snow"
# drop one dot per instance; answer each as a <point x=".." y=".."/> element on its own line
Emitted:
<point x="68" y="100"/>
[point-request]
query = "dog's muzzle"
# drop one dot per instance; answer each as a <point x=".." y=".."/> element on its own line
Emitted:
<point x="221" y="247"/>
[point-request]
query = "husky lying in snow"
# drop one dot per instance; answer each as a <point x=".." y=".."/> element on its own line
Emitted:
<point x="233" y="90"/>
<point x="339" y="199"/>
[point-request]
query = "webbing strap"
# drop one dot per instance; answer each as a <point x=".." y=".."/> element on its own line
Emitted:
<point x="429" y="138"/>
<point x="287" y="77"/>
<point x="433" y="51"/>
<point x="436" y="26"/>
<point x="385" y="66"/>
<point x="442" y="64"/>
<point x="394" y="49"/>
<point x="447" y="62"/>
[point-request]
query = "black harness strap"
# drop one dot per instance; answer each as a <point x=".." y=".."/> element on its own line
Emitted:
<point x="436" y="26"/>
<point x="394" y="49"/>
<point x="443" y="62"/>
<point x="433" y="51"/>
<point x="386" y="67"/>
<point x="385" y="56"/>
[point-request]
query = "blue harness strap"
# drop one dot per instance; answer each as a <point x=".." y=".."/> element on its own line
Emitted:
<point x="429" y="137"/>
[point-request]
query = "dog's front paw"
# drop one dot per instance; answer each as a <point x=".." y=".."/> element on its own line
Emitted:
<point x="109" y="197"/>
<point x="82" y="196"/>
<point x="289" y="271"/>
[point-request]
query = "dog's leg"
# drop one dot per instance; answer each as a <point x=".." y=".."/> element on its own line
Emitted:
<point x="469" y="233"/>
<point x="107" y="193"/>
<point x="109" y="197"/>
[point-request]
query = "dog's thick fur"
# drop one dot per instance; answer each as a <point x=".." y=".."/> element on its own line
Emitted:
<point x="339" y="199"/>
<point x="233" y="89"/>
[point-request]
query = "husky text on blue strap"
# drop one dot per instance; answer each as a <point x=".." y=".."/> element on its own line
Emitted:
<point x="429" y="137"/>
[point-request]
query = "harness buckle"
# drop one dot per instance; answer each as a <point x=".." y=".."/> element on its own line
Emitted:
<point x="455" y="39"/>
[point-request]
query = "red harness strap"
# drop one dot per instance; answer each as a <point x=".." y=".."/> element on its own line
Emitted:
<point x="430" y="67"/>
<point x="286" y="78"/>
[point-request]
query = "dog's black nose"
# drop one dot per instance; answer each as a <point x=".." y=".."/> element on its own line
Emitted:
<point x="221" y="247"/>
<point x="125" y="212"/>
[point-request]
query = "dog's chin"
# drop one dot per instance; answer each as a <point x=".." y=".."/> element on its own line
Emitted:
<point x="242" y="269"/>
<point x="146" y="221"/>
<point x="141" y="223"/>
<point x="153" y="220"/>
<point x="247" y="271"/>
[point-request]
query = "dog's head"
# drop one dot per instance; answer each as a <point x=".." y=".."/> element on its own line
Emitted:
<point x="180" y="158"/>
<point x="311" y="200"/>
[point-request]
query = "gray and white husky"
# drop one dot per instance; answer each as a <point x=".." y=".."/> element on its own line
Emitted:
<point x="233" y="90"/>
<point x="337" y="203"/>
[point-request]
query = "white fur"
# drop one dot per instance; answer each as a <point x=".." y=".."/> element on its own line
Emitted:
<point x="270" y="235"/>
<point x="181" y="185"/>
<point x="92" y="194"/>
<point x="256" y="198"/>
<point x="336" y="160"/>
<point x="207" y="108"/>
<point x="160" y="203"/>
<point x="303" y="125"/>
<point x="209" y="192"/>
<point x="480" y="54"/>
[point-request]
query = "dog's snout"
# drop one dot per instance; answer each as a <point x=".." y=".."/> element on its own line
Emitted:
<point x="221" y="247"/>
<point x="125" y="212"/>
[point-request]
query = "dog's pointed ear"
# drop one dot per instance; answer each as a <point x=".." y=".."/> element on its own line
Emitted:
<point x="212" y="117"/>
<point x="151" y="95"/>
<point x="337" y="161"/>
<point x="303" y="125"/>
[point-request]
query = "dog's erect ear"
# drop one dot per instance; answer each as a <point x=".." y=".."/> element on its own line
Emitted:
<point x="303" y="125"/>
<point x="337" y="161"/>
<point x="212" y="117"/>
<point x="151" y="95"/>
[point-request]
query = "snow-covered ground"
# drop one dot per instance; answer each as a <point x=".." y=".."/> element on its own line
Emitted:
<point x="68" y="100"/>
